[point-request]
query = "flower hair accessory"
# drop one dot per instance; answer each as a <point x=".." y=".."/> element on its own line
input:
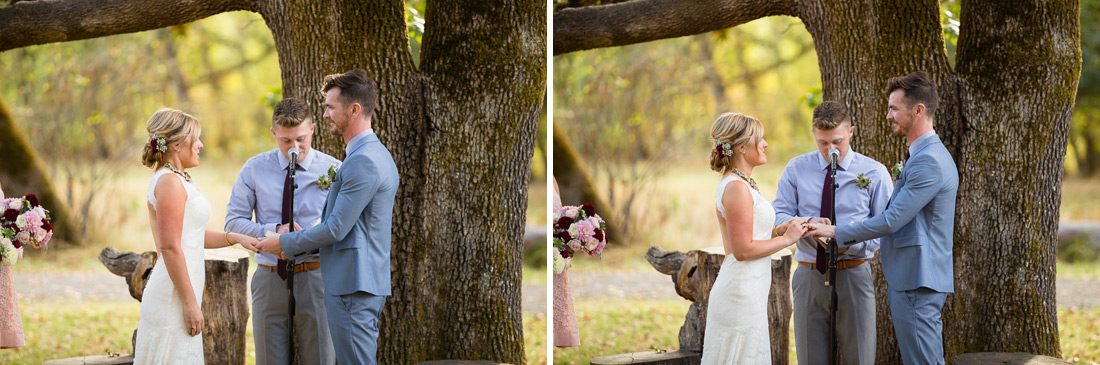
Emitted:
<point x="157" y="143"/>
<point x="724" y="149"/>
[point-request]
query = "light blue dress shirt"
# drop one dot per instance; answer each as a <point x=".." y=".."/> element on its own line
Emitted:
<point x="258" y="193"/>
<point x="799" y="194"/>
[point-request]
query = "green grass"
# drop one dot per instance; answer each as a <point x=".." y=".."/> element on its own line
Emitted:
<point x="1078" y="270"/>
<point x="1079" y="335"/>
<point x="56" y="330"/>
<point x="614" y="327"/>
<point x="534" y="339"/>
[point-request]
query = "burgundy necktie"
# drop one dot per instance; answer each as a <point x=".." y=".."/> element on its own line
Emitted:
<point x="906" y="155"/>
<point x="826" y="212"/>
<point x="288" y="193"/>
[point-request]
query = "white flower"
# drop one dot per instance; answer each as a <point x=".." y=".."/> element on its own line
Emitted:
<point x="574" y="230"/>
<point x="10" y="255"/>
<point x="572" y="212"/>
<point x="21" y="222"/>
<point x="16" y="204"/>
<point x="559" y="262"/>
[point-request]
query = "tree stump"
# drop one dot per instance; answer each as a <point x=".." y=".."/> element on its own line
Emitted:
<point x="693" y="274"/>
<point x="225" y="306"/>
<point x="224" y="300"/>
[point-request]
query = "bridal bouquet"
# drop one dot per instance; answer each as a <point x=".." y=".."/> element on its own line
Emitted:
<point x="25" y="222"/>
<point x="577" y="229"/>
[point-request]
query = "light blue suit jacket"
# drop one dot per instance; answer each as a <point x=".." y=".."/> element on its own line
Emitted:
<point x="918" y="224"/>
<point x="354" y="233"/>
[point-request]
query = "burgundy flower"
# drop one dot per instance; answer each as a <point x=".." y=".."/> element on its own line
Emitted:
<point x="588" y="209"/>
<point x="32" y="199"/>
<point x="16" y="243"/>
<point x="598" y="235"/>
<point x="563" y="222"/>
<point x="153" y="144"/>
<point x="565" y="254"/>
<point x="563" y="235"/>
<point x="47" y="226"/>
<point x="719" y="147"/>
<point x="11" y="215"/>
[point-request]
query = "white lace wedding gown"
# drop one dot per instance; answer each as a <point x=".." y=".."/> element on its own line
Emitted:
<point x="162" y="334"/>
<point x="737" y="313"/>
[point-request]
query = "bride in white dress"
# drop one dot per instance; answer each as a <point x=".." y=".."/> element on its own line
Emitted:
<point x="737" y="312"/>
<point x="171" y="323"/>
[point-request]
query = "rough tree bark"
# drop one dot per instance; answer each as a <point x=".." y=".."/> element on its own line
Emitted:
<point x="1004" y="114"/>
<point x="461" y="129"/>
<point x="23" y="173"/>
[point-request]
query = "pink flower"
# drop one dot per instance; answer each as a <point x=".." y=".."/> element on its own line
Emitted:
<point x="572" y="212"/>
<point x="591" y="245"/>
<point x="575" y="245"/>
<point x="34" y="217"/>
<point x="49" y="235"/>
<point x="40" y="238"/>
<point x="23" y="237"/>
<point x="15" y="203"/>
<point x="582" y="230"/>
<point x="599" y="249"/>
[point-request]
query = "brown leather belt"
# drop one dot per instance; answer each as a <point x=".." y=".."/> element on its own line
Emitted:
<point x="840" y="264"/>
<point x="305" y="266"/>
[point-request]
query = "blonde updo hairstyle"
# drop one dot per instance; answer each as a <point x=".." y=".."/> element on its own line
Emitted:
<point x="176" y="127"/>
<point x="739" y="131"/>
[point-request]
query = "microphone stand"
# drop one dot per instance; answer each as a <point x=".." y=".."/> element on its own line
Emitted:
<point x="290" y="260"/>
<point x="832" y="252"/>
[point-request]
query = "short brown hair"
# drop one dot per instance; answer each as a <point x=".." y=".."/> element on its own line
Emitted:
<point x="829" y="115"/>
<point x="355" y="87"/>
<point x="290" y="113"/>
<point x="919" y="89"/>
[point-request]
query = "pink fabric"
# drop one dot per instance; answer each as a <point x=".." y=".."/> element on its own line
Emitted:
<point x="565" y="321"/>
<point x="11" y="324"/>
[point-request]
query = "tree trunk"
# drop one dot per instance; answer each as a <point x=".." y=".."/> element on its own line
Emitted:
<point x="1003" y="114"/>
<point x="461" y="130"/>
<point x="23" y="173"/>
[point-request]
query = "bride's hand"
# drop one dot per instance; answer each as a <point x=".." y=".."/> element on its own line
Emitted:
<point x="249" y="242"/>
<point x="796" y="228"/>
<point x="192" y="318"/>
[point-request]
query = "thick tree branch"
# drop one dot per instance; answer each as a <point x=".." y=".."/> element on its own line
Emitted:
<point x="637" y="21"/>
<point x="31" y="23"/>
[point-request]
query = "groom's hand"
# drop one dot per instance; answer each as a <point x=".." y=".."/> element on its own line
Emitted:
<point x="823" y="230"/>
<point x="270" y="245"/>
<point x="285" y="228"/>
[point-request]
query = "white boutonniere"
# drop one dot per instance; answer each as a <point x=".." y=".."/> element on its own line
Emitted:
<point x="895" y="171"/>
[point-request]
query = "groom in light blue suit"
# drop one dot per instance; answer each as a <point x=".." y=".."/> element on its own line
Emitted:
<point x="354" y="233"/>
<point x="917" y="226"/>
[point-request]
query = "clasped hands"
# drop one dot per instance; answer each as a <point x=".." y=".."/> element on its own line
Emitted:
<point x="816" y="227"/>
<point x="271" y="245"/>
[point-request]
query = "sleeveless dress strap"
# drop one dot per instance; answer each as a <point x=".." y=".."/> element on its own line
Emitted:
<point x="151" y="195"/>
